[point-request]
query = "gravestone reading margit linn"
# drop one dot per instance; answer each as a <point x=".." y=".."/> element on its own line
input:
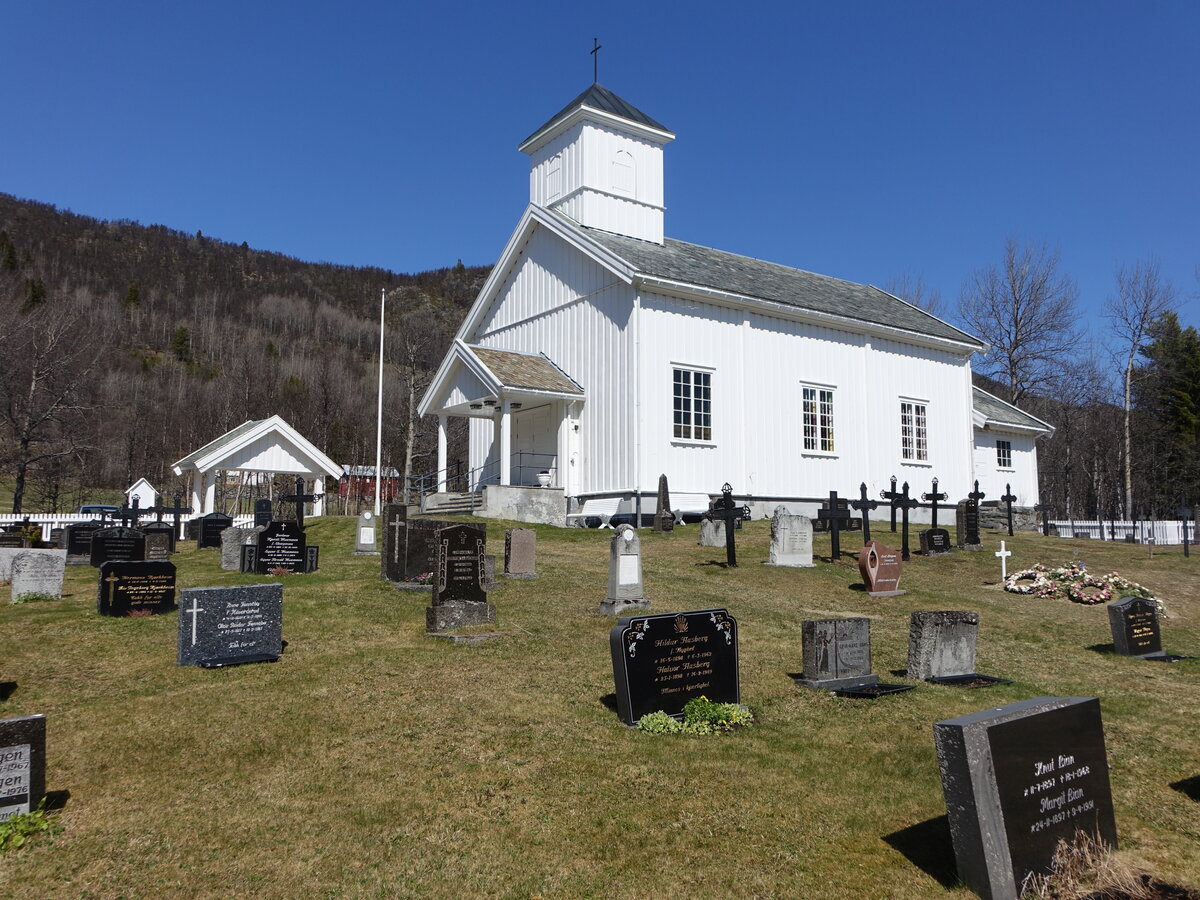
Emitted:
<point x="791" y="540"/>
<point x="38" y="573"/>
<point x="136" y="588"/>
<point x="661" y="662"/>
<point x="520" y="553"/>
<point x="1134" y="624"/>
<point x="227" y="626"/>
<point x="22" y="765"/>
<point x="880" y="569"/>
<point x="281" y="545"/>
<point x="625" y="590"/>
<point x="459" y="598"/>
<point x="1018" y="779"/>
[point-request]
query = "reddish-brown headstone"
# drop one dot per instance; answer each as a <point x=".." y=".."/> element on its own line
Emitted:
<point x="880" y="568"/>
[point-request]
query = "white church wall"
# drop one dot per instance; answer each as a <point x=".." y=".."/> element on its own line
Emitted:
<point x="1021" y="474"/>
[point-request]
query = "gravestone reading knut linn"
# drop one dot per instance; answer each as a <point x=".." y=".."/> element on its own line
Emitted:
<point x="1018" y="779"/>
<point x="281" y="545"/>
<point x="38" y="573"/>
<point x="136" y="588"/>
<point x="791" y="540"/>
<point x="458" y="595"/>
<point x="117" y="545"/>
<point x="661" y="662"/>
<point x="226" y="626"/>
<point x="22" y="765"/>
<point x="880" y="570"/>
<point x="942" y="644"/>
<point x="394" y="523"/>
<point x="1134" y="624"/>
<point x="209" y="528"/>
<point x="837" y="653"/>
<point x="520" y="553"/>
<point x="364" y="541"/>
<point x="625" y="589"/>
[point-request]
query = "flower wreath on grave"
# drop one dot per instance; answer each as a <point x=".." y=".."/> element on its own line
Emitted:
<point x="1076" y="583"/>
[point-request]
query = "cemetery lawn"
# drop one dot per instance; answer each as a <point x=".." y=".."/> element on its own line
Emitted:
<point x="373" y="760"/>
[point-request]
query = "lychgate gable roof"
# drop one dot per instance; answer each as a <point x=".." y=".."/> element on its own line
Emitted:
<point x="989" y="411"/>
<point x="260" y="445"/>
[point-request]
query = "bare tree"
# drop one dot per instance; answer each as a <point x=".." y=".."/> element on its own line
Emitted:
<point x="911" y="286"/>
<point x="1025" y="309"/>
<point x="1142" y="297"/>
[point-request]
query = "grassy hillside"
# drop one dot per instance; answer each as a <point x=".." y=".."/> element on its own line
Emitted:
<point x="375" y="760"/>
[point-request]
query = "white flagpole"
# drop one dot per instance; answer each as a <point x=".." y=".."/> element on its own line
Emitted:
<point x="379" y="416"/>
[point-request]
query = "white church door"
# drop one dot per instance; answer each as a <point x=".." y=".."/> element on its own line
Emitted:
<point x="535" y="444"/>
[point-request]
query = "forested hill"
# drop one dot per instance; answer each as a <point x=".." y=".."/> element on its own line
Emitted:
<point x="161" y="341"/>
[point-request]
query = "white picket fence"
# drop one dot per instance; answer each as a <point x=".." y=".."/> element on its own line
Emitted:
<point x="1164" y="531"/>
<point x="50" y="521"/>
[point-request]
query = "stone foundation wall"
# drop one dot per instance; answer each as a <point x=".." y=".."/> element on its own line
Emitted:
<point x="993" y="516"/>
<point x="539" y="505"/>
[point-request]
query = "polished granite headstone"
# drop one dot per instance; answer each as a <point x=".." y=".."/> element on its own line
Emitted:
<point x="935" y="541"/>
<point x="226" y="626"/>
<point x="136" y="588"/>
<point x="660" y="662"/>
<point x="421" y="544"/>
<point x="1134" y="624"/>
<point x="281" y="545"/>
<point x="394" y="523"/>
<point x="1018" y="779"/>
<point x="77" y="541"/>
<point x="312" y="558"/>
<point x="249" y="561"/>
<point x="208" y="529"/>
<point x="165" y="528"/>
<point x="22" y="764"/>
<point x="458" y="595"/>
<point x="880" y="569"/>
<point x="117" y="545"/>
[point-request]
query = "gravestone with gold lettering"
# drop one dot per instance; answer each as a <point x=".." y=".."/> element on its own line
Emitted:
<point x="661" y="662"/>
<point x="136" y="588"/>
<point x="1134" y="624"/>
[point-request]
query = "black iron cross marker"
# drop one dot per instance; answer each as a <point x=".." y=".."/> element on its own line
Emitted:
<point x="129" y="514"/>
<point x="933" y="497"/>
<point x="892" y="496"/>
<point x="725" y="510"/>
<point x="299" y="498"/>
<point x="175" y="511"/>
<point x="1185" y="512"/>
<point x="1044" y="509"/>
<point x="835" y="516"/>
<point x="906" y="503"/>
<point x="1010" y="498"/>
<point x="864" y="506"/>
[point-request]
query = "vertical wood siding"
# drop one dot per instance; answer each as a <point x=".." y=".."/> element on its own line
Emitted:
<point x="1023" y="474"/>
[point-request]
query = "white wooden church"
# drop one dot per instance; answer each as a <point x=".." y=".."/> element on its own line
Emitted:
<point x="601" y="353"/>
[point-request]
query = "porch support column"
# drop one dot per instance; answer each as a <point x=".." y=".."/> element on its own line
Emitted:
<point x="505" y="442"/>
<point x="318" y="491"/>
<point x="441" y="453"/>
<point x="564" y="444"/>
<point x="209" y="501"/>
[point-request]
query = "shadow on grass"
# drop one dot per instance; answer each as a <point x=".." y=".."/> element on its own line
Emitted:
<point x="1189" y="787"/>
<point x="7" y="688"/>
<point x="57" y="799"/>
<point x="1103" y="648"/>
<point x="929" y="847"/>
<point x="713" y="562"/>
<point x="610" y="700"/>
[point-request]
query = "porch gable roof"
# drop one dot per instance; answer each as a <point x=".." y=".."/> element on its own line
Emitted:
<point x="471" y="376"/>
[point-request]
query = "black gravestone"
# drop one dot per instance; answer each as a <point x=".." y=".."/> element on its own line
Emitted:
<point x="281" y="545"/>
<point x="935" y="541"/>
<point x="22" y="765"/>
<point x="262" y="513"/>
<point x="312" y="558"/>
<point x="225" y="626"/>
<point x="12" y="540"/>
<point x="421" y="544"/>
<point x="136" y="588"/>
<point x="210" y="528"/>
<point x="1134" y="624"/>
<point x="661" y="662"/>
<point x="1019" y="778"/>
<point x="161" y="528"/>
<point x="395" y="532"/>
<point x="117" y="545"/>
<point x="77" y="538"/>
<point x="459" y="597"/>
<point x="249" y="561"/>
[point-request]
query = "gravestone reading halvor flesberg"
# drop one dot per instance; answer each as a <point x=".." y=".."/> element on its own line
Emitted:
<point x="458" y="595"/>
<point x="661" y="662"/>
<point x="1018" y="779"/>
<point x="225" y="626"/>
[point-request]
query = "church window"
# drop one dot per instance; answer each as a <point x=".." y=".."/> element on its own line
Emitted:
<point x="693" y="404"/>
<point x="914" y="437"/>
<point x="623" y="174"/>
<point x="817" y="405"/>
<point x="1004" y="454"/>
<point x="554" y="177"/>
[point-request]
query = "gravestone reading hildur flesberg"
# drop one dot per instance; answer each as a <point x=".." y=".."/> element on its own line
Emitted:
<point x="226" y="626"/>
<point x="458" y="595"/>
<point x="1018" y="779"/>
<point x="661" y="662"/>
<point x="281" y="545"/>
<point x="22" y="765"/>
<point x="136" y="588"/>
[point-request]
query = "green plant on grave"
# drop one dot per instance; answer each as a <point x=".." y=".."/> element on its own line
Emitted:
<point x="17" y="830"/>
<point x="33" y="598"/>
<point x="700" y="716"/>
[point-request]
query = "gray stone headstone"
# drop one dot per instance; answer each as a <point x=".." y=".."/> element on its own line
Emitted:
<point x="158" y="546"/>
<point x="1134" y="624"/>
<point x="520" y="553"/>
<point x="966" y="525"/>
<point x="7" y="555"/>
<point x="458" y="596"/>
<point x="394" y="524"/>
<point x="38" y="573"/>
<point x="22" y="765"/>
<point x="712" y="533"/>
<point x="625" y="589"/>
<point x="942" y="644"/>
<point x="232" y="540"/>
<point x="224" y="626"/>
<point x="837" y="653"/>
<point x="1018" y="779"/>
<point x="791" y="540"/>
<point x="365" y="535"/>
<point x="165" y="528"/>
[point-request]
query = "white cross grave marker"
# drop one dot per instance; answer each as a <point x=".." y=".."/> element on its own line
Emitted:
<point x="193" y="611"/>
<point x="1004" y="555"/>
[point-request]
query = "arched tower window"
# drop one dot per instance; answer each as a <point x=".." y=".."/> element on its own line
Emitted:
<point x="623" y="174"/>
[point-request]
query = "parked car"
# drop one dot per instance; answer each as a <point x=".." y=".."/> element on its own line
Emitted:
<point x="97" y="509"/>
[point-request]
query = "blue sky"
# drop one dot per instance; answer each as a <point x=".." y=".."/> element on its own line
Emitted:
<point x="858" y="139"/>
